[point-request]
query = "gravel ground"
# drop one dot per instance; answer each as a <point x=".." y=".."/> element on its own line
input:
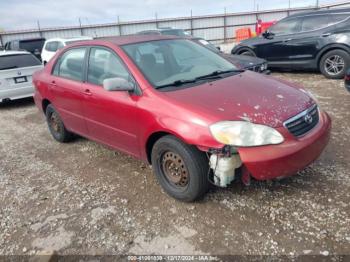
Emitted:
<point x="82" y="198"/>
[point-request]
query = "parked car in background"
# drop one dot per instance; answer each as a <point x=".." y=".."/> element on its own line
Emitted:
<point x="165" y="31"/>
<point x="318" y="40"/>
<point x="192" y="114"/>
<point x="16" y="70"/>
<point x="32" y="45"/>
<point x="251" y="63"/>
<point x="52" y="45"/>
<point x="347" y="80"/>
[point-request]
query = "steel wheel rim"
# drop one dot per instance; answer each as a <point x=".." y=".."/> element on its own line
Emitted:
<point x="174" y="169"/>
<point x="334" y="65"/>
<point x="55" y="123"/>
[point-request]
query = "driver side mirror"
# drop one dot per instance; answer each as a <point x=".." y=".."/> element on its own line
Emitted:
<point x="118" y="84"/>
<point x="268" y="35"/>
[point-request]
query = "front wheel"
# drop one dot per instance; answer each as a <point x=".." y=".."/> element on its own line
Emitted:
<point x="333" y="64"/>
<point x="180" y="169"/>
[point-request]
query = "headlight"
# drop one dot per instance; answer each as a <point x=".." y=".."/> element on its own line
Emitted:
<point x="245" y="134"/>
<point x="263" y="67"/>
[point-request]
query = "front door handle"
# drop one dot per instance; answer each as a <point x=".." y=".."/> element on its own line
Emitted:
<point x="87" y="92"/>
<point x="287" y="40"/>
<point x="326" y="34"/>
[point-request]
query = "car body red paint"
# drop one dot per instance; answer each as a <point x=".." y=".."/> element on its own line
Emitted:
<point x="126" y="121"/>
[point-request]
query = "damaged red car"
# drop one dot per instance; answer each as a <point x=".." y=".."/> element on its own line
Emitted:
<point x="184" y="109"/>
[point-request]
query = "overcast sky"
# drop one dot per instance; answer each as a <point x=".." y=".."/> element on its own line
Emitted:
<point x="24" y="14"/>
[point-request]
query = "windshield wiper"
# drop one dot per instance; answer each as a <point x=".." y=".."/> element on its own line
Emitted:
<point x="178" y="83"/>
<point x="218" y="73"/>
<point x="214" y="74"/>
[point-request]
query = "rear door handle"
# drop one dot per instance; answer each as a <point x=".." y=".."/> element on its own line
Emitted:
<point x="326" y="34"/>
<point x="87" y="92"/>
<point x="53" y="82"/>
<point x="287" y="40"/>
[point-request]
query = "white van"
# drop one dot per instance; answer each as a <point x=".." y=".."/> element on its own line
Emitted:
<point x="52" y="45"/>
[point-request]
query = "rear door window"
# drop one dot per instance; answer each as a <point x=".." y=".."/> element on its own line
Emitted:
<point x="311" y="23"/>
<point x="287" y="26"/>
<point x="71" y="64"/>
<point x="18" y="61"/>
<point x="51" y="46"/>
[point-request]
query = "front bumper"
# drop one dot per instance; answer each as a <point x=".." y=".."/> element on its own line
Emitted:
<point x="293" y="155"/>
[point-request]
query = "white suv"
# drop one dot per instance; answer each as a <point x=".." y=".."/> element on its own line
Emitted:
<point x="52" y="45"/>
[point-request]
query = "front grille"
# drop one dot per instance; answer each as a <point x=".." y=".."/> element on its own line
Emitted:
<point x="303" y="122"/>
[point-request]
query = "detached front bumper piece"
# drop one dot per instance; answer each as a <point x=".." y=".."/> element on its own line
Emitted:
<point x="293" y="155"/>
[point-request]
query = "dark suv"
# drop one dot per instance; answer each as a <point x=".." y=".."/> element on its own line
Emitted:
<point x="32" y="45"/>
<point x="318" y="40"/>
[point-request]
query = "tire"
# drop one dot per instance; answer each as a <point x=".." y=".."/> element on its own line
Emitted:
<point x="247" y="52"/>
<point x="341" y="60"/>
<point x="56" y="126"/>
<point x="190" y="165"/>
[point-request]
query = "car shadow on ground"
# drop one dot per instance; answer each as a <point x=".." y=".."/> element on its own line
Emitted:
<point x="302" y="181"/>
<point x="17" y="103"/>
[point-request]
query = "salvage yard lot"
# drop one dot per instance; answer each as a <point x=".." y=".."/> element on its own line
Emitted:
<point x="82" y="198"/>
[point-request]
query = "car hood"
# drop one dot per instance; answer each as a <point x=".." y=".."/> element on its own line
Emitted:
<point x="244" y="61"/>
<point x="249" y="97"/>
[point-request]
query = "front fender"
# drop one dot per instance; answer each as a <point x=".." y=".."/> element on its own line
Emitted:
<point x="192" y="132"/>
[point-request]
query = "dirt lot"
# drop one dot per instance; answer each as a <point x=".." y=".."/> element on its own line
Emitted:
<point x="82" y="198"/>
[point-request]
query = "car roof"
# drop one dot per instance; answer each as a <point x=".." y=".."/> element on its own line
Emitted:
<point x="321" y="12"/>
<point x="133" y="39"/>
<point x="69" y="38"/>
<point x="3" y="53"/>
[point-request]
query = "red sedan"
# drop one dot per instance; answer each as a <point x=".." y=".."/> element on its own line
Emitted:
<point x="190" y="113"/>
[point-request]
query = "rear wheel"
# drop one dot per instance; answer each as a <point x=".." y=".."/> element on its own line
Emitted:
<point x="56" y="126"/>
<point x="333" y="64"/>
<point x="181" y="169"/>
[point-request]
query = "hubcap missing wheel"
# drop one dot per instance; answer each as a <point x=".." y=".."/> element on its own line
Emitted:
<point x="55" y="123"/>
<point x="174" y="169"/>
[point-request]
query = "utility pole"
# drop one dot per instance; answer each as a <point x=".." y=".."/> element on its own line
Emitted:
<point x="191" y="23"/>
<point x="156" y="15"/>
<point x="317" y="3"/>
<point x="225" y="25"/>
<point x="81" y="29"/>
<point x="119" y="26"/>
<point x="38" y="23"/>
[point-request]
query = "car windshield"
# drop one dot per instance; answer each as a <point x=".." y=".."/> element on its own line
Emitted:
<point x="18" y="61"/>
<point x="175" y="62"/>
<point x="209" y="45"/>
